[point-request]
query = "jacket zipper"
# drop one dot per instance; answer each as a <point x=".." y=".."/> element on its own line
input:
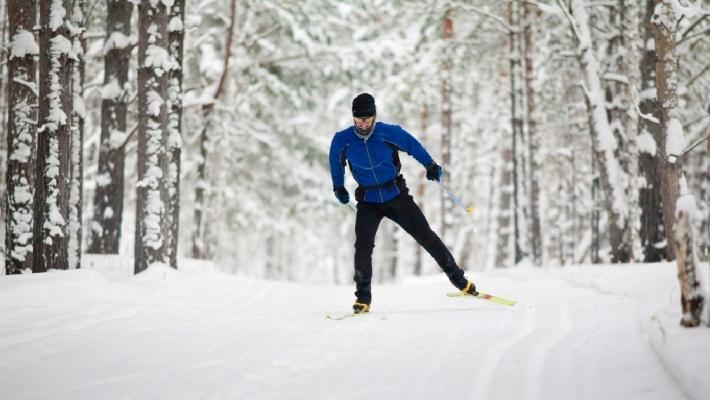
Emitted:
<point x="367" y="150"/>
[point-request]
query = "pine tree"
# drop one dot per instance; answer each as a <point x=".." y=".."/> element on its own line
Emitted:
<point x="76" y="136"/>
<point x="154" y="63"/>
<point x="108" y="195"/>
<point x="21" y="137"/>
<point x="176" y="38"/>
<point x="55" y="108"/>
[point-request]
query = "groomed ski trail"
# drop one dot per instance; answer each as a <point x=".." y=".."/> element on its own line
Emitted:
<point x="185" y="336"/>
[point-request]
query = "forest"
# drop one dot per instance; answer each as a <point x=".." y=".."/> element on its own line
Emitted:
<point x="169" y="129"/>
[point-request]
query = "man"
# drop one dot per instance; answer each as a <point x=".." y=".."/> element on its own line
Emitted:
<point x="372" y="150"/>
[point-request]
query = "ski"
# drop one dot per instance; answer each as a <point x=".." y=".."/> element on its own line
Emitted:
<point x="343" y="316"/>
<point x="484" y="296"/>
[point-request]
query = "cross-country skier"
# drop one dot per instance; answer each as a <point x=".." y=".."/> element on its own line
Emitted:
<point x="372" y="151"/>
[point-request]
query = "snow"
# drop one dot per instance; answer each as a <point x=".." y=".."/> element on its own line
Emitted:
<point x="582" y="332"/>
<point x="674" y="139"/>
<point x="56" y="15"/>
<point x="175" y="25"/>
<point x="23" y="44"/>
<point x="646" y="144"/>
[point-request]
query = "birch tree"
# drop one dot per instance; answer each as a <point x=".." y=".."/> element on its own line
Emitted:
<point x="50" y="199"/>
<point x="678" y="204"/>
<point x="613" y="178"/>
<point x="108" y="194"/>
<point x="21" y="136"/>
<point x="154" y="63"/>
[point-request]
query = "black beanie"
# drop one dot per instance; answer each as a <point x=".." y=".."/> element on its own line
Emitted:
<point x="364" y="106"/>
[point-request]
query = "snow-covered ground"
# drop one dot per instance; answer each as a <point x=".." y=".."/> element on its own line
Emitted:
<point x="593" y="332"/>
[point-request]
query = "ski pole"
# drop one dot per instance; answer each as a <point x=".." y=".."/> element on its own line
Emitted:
<point x="352" y="206"/>
<point x="454" y="198"/>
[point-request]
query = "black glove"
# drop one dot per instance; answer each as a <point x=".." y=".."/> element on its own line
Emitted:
<point x="342" y="194"/>
<point x="434" y="172"/>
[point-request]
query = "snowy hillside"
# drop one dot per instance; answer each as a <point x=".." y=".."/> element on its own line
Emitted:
<point x="593" y="332"/>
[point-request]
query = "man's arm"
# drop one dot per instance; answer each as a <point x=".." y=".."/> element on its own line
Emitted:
<point x="408" y="143"/>
<point x="337" y="167"/>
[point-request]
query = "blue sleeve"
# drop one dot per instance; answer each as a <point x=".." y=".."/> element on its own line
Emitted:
<point x="337" y="169"/>
<point x="406" y="142"/>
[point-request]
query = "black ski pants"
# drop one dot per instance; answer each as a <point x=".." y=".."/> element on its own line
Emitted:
<point x="405" y="212"/>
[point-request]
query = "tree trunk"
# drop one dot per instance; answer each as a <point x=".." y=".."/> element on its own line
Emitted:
<point x="76" y="150"/>
<point x="447" y="29"/>
<point x="108" y="195"/>
<point x="505" y="209"/>
<point x="151" y="196"/>
<point x="21" y="136"/>
<point x="652" y="231"/>
<point x="679" y="233"/>
<point x="517" y="104"/>
<point x="530" y="18"/>
<point x="629" y="35"/>
<point x="176" y="39"/>
<point x="199" y="241"/>
<point x="612" y="176"/>
<point x="51" y="197"/>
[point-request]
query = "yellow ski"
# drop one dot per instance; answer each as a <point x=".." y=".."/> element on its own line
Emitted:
<point x="484" y="296"/>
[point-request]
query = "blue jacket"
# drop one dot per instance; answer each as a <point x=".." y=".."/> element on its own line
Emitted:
<point x="374" y="160"/>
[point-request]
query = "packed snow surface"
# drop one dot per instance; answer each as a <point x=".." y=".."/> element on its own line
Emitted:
<point x="593" y="332"/>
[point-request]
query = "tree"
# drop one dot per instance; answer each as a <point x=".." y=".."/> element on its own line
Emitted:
<point x="651" y="218"/>
<point x="76" y="133"/>
<point x="50" y="199"/>
<point x="108" y="195"/>
<point x="154" y="63"/>
<point x="676" y="217"/>
<point x="199" y="242"/>
<point x="21" y="136"/>
<point x="176" y="38"/>
<point x="530" y="18"/>
<point x="612" y="175"/>
<point x="517" y="119"/>
<point x="447" y="30"/>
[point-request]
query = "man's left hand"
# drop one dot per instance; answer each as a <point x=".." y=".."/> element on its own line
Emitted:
<point x="434" y="172"/>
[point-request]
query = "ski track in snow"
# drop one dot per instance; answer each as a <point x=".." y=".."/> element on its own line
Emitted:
<point x="187" y="337"/>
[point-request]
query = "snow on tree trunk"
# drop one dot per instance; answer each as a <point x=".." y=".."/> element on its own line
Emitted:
<point x="76" y="153"/>
<point x="630" y="67"/>
<point x="651" y="218"/>
<point x="108" y="194"/>
<point x="613" y="178"/>
<point x="51" y="197"/>
<point x="692" y="299"/>
<point x="21" y="134"/>
<point x="154" y="63"/>
<point x="176" y="36"/>
<point x="517" y="110"/>
<point x="530" y="18"/>
<point x="676" y="214"/>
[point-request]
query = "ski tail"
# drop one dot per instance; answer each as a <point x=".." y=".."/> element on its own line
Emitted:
<point x="484" y="296"/>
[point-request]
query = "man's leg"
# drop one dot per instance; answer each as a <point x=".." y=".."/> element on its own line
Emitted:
<point x="405" y="212"/>
<point x="366" y="223"/>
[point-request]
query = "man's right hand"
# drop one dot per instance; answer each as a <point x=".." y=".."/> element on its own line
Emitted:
<point x="342" y="194"/>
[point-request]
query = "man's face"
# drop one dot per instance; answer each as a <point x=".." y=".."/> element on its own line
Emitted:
<point x="364" y="124"/>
